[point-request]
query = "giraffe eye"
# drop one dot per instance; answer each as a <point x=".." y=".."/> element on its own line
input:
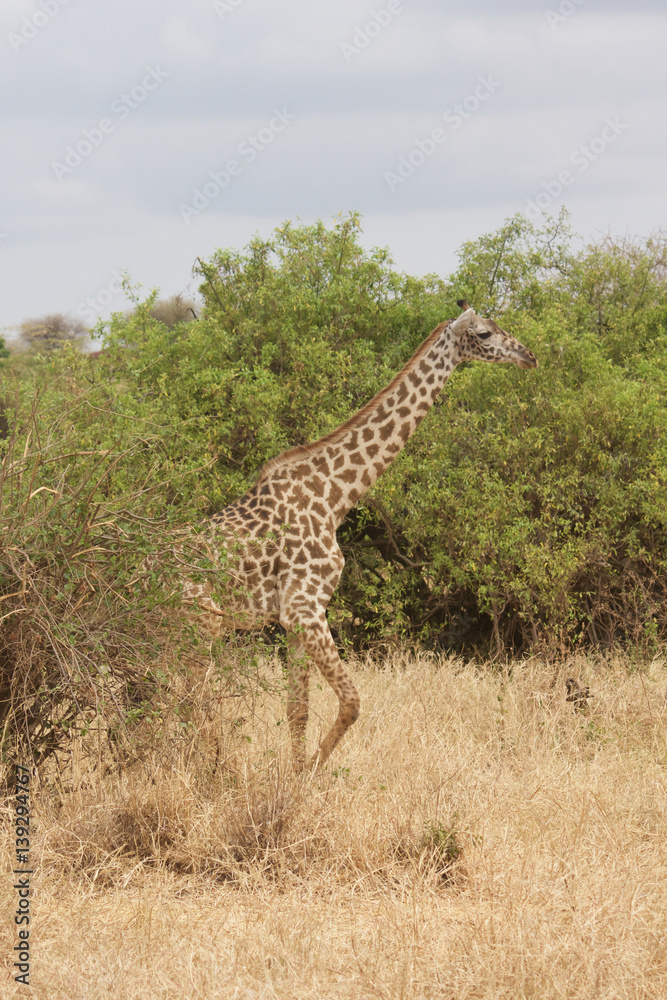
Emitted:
<point x="483" y="336"/>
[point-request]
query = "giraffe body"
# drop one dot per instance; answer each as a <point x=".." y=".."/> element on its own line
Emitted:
<point x="278" y="542"/>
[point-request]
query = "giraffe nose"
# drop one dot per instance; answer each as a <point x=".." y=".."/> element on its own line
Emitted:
<point x="528" y="359"/>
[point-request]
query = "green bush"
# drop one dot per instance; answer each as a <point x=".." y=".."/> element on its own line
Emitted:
<point x="296" y="334"/>
<point x="528" y="511"/>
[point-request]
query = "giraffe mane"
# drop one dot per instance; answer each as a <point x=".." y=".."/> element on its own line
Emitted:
<point x="301" y="451"/>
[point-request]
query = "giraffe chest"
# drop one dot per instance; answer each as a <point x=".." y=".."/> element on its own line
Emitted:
<point x="270" y="548"/>
<point x="240" y="591"/>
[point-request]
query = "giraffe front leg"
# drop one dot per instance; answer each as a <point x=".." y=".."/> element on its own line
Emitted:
<point x="319" y="644"/>
<point x="297" y="698"/>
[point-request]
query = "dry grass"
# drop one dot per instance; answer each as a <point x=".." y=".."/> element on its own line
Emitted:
<point x="476" y="837"/>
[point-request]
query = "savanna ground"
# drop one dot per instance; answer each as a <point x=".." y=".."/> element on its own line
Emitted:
<point x="476" y="836"/>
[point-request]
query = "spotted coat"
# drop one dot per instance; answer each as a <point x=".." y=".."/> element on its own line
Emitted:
<point x="278" y="542"/>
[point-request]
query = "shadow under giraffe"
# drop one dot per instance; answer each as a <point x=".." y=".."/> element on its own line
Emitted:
<point x="276" y="546"/>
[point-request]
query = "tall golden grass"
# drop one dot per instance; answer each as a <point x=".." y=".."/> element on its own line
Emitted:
<point x="475" y="837"/>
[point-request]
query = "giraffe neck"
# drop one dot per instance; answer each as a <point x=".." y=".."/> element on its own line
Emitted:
<point x="378" y="433"/>
<point x="343" y="465"/>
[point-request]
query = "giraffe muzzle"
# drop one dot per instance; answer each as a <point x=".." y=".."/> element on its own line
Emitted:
<point x="527" y="359"/>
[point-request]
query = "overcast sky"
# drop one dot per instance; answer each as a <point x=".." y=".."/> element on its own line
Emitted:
<point x="435" y="120"/>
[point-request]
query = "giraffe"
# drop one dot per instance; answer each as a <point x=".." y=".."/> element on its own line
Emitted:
<point x="277" y="544"/>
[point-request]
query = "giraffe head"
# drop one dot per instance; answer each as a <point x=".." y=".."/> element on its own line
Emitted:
<point x="482" y="340"/>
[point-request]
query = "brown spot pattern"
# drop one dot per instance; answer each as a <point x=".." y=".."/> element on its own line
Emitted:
<point x="278" y="540"/>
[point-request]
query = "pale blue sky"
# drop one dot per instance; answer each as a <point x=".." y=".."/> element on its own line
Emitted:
<point x="436" y="121"/>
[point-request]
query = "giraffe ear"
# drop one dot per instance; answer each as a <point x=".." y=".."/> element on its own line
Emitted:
<point x="463" y="304"/>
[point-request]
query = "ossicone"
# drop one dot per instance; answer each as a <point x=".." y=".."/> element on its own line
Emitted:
<point x="463" y="304"/>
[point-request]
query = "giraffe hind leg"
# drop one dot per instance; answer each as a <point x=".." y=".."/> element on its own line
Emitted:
<point x="297" y="698"/>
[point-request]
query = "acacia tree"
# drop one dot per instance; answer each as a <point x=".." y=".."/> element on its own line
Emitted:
<point x="49" y="333"/>
<point x="174" y="310"/>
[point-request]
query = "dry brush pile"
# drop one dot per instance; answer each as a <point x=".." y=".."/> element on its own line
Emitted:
<point x="84" y="628"/>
